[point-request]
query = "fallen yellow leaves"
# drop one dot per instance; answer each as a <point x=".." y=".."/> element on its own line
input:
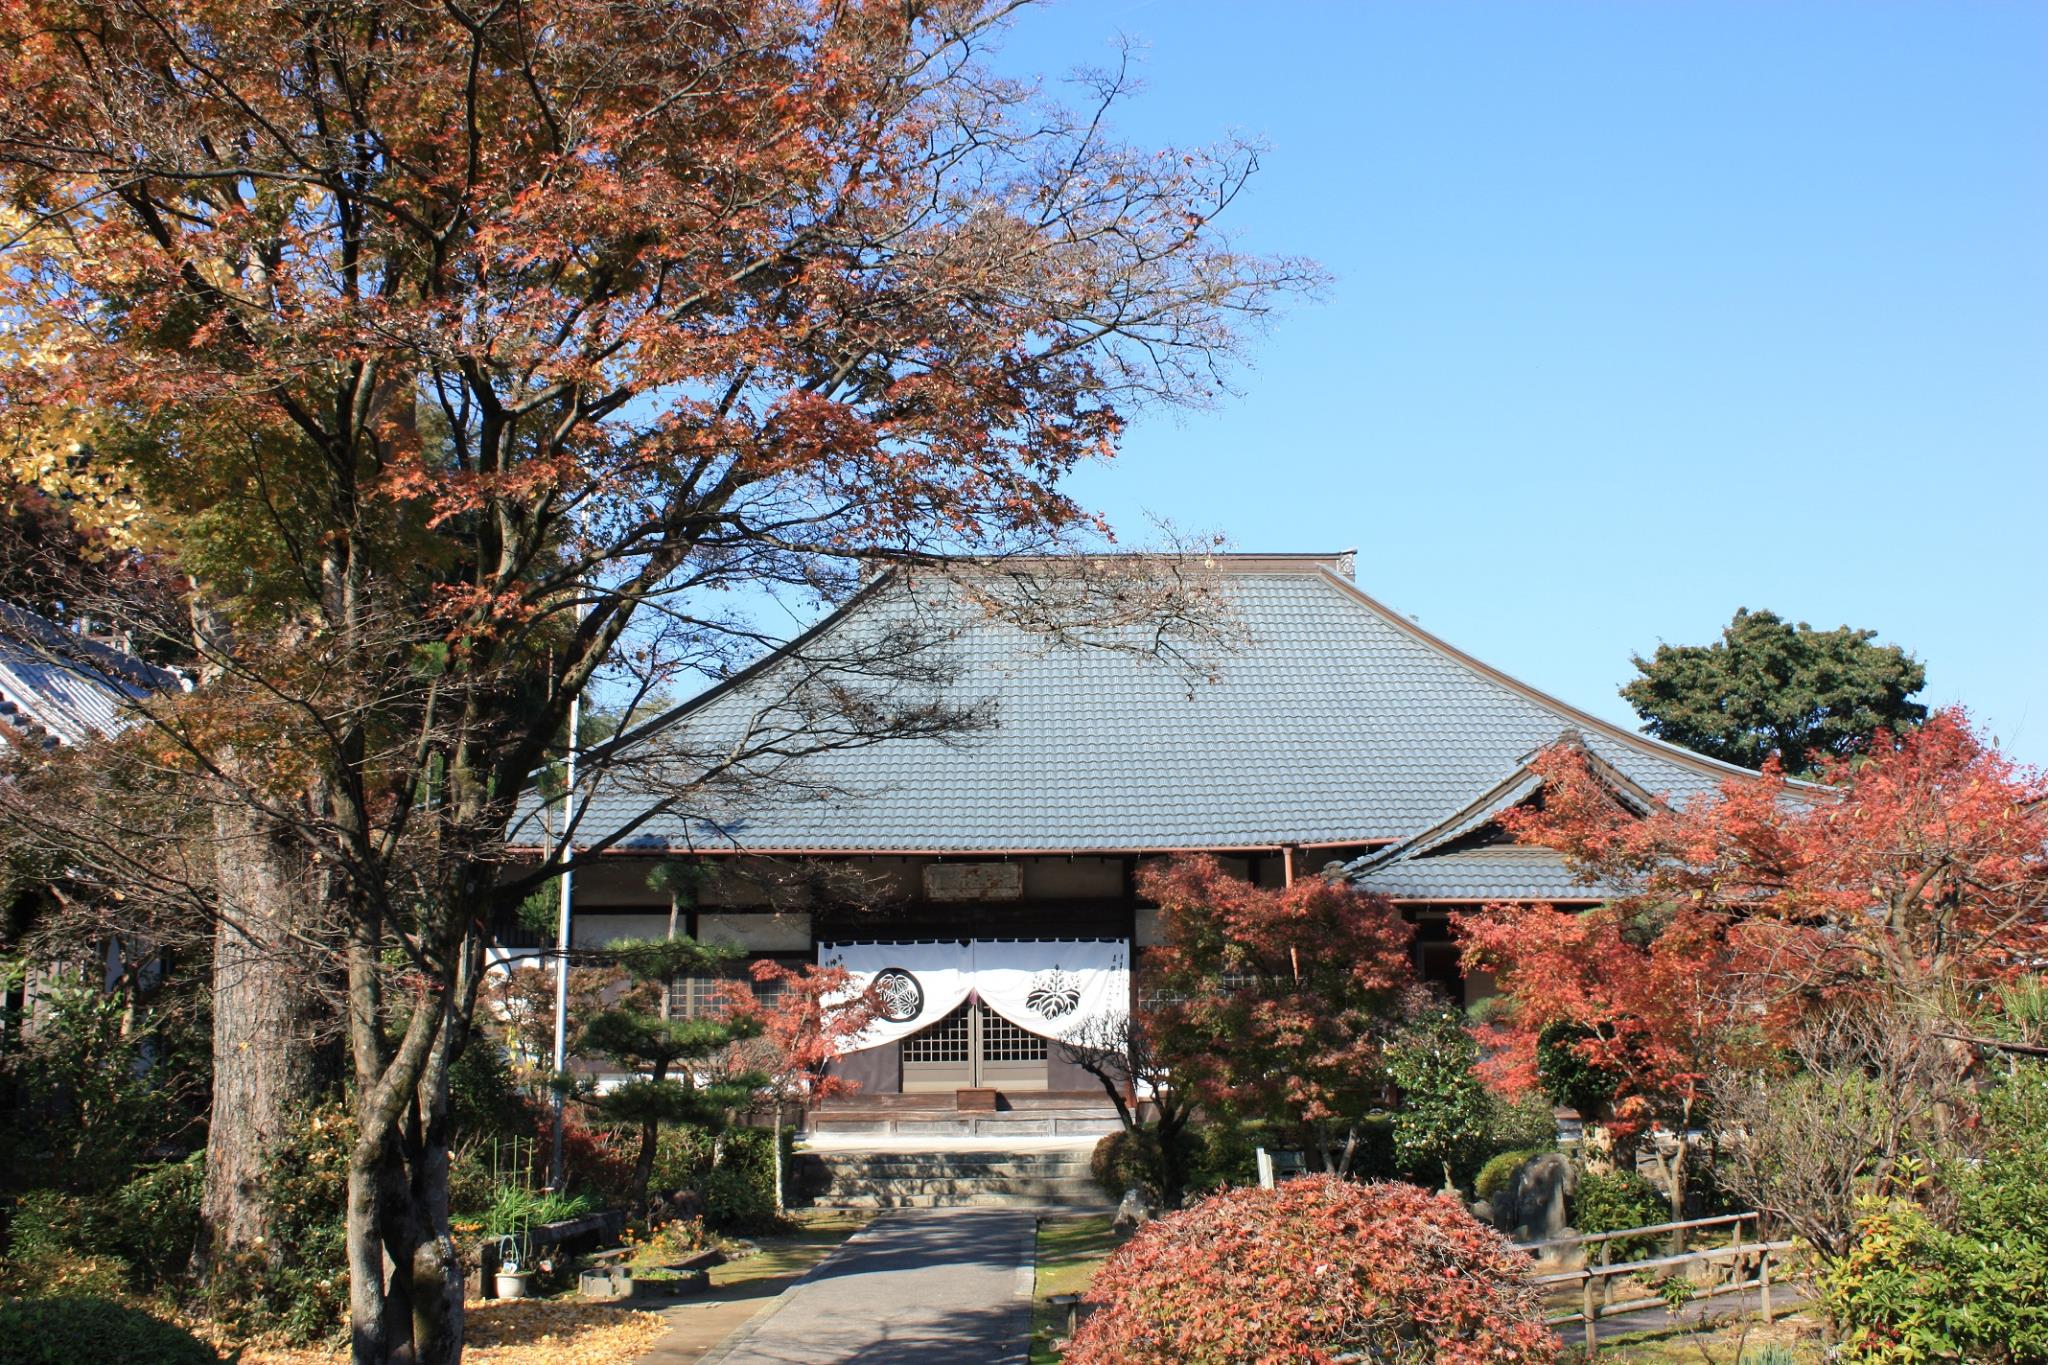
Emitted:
<point x="523" y="1332"/>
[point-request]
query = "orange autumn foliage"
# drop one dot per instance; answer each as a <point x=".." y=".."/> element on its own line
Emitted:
<point x="1914" y="882"/>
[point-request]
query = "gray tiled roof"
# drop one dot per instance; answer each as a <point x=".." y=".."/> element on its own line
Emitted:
<point x="57" y="687"/>
<point x="1477" y="816"/>
<point x="1491" y="872"/>
<point x="1337" y="721"/>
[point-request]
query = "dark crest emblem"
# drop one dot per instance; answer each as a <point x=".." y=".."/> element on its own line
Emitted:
<point x="1053" y="994"/>
<point x="900" y="999"/>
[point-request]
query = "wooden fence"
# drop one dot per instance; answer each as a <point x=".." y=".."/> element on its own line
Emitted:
<point x="1749" y="1265"/>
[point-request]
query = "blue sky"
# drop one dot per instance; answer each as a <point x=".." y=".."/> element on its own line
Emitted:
<point x="1643" y="312"/>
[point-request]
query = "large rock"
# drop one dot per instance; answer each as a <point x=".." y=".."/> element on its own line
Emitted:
<point x="1136" y="1210"/>
<point x="1531" y="1206"/>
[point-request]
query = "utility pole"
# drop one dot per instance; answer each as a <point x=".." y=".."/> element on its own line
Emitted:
<point x="555" y="1170"/>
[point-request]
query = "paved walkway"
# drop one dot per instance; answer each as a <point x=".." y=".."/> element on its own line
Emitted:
<point x="1786" y="1299"/>
<point x="930" y="1287"/>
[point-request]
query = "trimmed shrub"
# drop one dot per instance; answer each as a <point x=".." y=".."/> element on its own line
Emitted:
<point x="66" y="1331"/>
<point x="156" y="1218"/>
<point x="1317" y="1268"/>
<point x="735" y="1200"/>
<point x="1124" y="1159"/>
<point x="739" y="1192"/>
<point x="1524" y="1124"/>
<point x="1614" y="1201"/>
<point x="1499" y="1169"/>
<point x="1222" y="1154"/>
<point x="681" y="1154"/>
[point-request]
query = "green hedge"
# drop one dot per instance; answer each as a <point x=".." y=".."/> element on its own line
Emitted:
<point x="1499" y="1169"/>
<point x="1614" y="1201"/>
<point x="733" y="1172"/>
<point x="68" y="1331"/>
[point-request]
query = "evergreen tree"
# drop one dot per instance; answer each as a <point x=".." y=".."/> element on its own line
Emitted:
<point x="669" y="1086"/>
<point x="1444" y="1112"/>
<point x="1769" y="686"/>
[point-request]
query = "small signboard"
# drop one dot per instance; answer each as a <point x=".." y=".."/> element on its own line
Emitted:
<point x="974" y="881"/>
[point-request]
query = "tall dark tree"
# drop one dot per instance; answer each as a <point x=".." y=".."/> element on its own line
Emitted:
<point x="1768" y="686"/>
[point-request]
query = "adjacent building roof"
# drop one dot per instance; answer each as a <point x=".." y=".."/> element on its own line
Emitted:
<point x="1335" y="720"/>
<point x="58" y="687"/>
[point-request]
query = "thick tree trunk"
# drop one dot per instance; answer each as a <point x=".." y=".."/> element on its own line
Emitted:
<point x="405" y="1277"/>
<point x="266" y="1012"/>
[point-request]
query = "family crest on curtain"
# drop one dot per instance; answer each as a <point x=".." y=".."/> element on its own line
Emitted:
<point x="1050" y="987"/>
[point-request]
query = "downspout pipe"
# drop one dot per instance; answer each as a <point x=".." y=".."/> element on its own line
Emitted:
<point x="556" y="1172"/>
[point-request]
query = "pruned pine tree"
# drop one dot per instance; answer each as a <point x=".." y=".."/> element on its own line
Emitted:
<point x="673" y="1059"/>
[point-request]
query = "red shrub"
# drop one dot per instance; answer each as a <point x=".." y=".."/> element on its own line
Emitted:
<point x="1313" y="1271"/>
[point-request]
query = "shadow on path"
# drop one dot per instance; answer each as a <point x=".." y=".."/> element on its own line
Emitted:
<point x="941" y="1287"/>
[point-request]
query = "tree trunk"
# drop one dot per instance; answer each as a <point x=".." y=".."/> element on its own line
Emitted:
<point x="266" y="1011"/>
<point x="436" y="1266"/>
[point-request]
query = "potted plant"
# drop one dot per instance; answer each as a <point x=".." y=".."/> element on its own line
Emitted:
<point x="513" y="1273"/>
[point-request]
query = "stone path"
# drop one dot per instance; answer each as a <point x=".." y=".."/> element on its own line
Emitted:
<point x="929" y="1287"/>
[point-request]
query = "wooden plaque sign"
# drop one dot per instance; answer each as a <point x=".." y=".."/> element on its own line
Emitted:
<point x="974" y="881"/>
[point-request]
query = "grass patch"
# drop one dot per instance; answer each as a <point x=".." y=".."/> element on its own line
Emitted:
<point x="1713" y="1343"/>
<point x="791" y="1253"/>
<point x="1069" y="1249"/>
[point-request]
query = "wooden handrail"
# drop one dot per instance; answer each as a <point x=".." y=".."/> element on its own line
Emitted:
<point x="1590" y="1238"/>
<point x="1728" y="1253"/>
<point x="1596" y="1288"/>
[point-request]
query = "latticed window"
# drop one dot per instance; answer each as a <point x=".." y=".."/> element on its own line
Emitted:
<point x="767" y="994"/>
<point x="1152" y="997"/>
<point x="693" y="997"/>
<point x="945" y="1041"/>
<point x="1003" y="1041"/>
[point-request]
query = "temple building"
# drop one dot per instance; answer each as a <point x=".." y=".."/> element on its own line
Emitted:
<point x="969" y="839"/>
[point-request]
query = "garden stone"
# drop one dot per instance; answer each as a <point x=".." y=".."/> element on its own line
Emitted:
<point x="1483" y="1211"/>
<point x="682" y="1204"/>
<point x="1531" y="1207"/>
<point x="605" y="1282"/>
<point x="1136" y="1210"/>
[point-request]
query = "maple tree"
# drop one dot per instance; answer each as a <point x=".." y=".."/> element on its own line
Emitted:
<point x="460" y="353"/>
<point x="811" y="1017"/>
<point x="1909" y="888"/>
<point x="1275" y="1002"/>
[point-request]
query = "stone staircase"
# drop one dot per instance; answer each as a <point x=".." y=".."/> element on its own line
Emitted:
<point x="916" y="1116"/>
<point x="954" y="1179"/>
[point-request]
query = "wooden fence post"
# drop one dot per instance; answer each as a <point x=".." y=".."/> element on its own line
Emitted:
<point x="1591" y="1313"/>
<point x="1763" y="1282"/>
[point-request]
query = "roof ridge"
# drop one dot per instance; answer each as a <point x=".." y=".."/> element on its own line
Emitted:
<point x="1644" y="743"/>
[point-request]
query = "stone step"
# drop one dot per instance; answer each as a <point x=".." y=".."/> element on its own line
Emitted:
<point x="948" y="1163"/>
<point x="966" y="1125"/>
<point x="869" y="1101"/>
<point x="1054" y="1188"/>
<point x="980" y="1199"/>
